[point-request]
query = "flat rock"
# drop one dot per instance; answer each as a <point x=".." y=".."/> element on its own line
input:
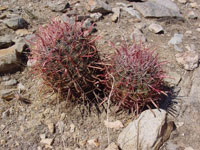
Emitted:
<point x="95" y="6"/>
<point x="148" y="131"/>
<point x="189" y="60"/>
<point x="176" y="39"/>
<point x="6" y="41"/>
<point x="132" y="12"/>
<point x="16" y="23"/>
<point x="59" y="5"/>
<point x="158" y="8"/>
<point x="9" y="61"/>
<point x="156" y="28"/>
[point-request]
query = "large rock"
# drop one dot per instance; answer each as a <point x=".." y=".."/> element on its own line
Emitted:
<point x="98" y="6"/>
<point x="9" y="60"/>
<point x="16" y="23"/>
<point x="148" y="132"/>
<point x="5" y="41"/>
<point x="158" y="8"/>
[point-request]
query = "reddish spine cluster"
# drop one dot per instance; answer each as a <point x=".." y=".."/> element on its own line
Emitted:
<point x="138" y="77"/>
<point x="67" y="60"/>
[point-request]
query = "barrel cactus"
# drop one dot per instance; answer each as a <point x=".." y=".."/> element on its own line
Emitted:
<point x="136" y="77"/>
<point x="66" y="59"/>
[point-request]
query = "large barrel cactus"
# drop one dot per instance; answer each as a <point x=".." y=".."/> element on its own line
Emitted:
<point x="67" y="60"/>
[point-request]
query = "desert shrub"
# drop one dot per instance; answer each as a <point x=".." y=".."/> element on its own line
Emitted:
<point x="66" y="59"/>
<point x="135" y="77"/>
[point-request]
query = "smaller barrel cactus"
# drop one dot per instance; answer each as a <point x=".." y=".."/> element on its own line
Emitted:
<point x="66" y="58"/>
<point x="136" y="77"/>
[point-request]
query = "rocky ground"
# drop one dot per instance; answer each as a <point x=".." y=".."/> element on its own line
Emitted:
<point x="29" y="121"/>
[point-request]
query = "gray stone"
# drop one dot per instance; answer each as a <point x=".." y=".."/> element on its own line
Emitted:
<point x="6" y="41"/>
<point x="16" y="23"/>
<point x="132" y="12"/>
<point x="10" y="82"/>
<point x="59" y="6"/>
<point x="138" y="36"/>
<point x="9" y="60"/>
<point x="189" y="60"/>
<point x="95" y="6"/>
<point x="156" y="28"/>
<point x="192" y="15"/>
<point x="96" y="16"/>
<point x="146" y="132"/>
<point x="158" y="8"/>
<point x="176" y="39"/>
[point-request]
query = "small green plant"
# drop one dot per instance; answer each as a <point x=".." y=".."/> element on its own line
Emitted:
<point x="67" y="60"/>
<point x="136" y="77"/>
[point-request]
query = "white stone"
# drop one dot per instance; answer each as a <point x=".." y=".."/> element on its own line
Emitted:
<point x="198" y="29"/>
<point x="192" y="15"/>
<point x="47" y="141"/>
<point x="194" y="5"/>
<point x="145" y="131"/>
<point x="176" y="39"/>
<point x="182" y="1"/>
<point x="96" y="16"/>
<point x="156" y="28"/>
<point x="113" y="125"/>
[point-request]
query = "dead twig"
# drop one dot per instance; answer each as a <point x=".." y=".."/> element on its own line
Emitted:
<point x="108" y="106"/>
